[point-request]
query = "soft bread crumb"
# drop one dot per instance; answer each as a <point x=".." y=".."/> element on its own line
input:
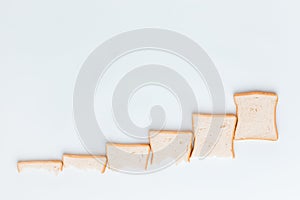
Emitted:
<point x="213" y="135"/>
<point x="85" y="162"/>
<point x="53" y="166"/>
<point x="256" y="112"/>
<point x="170" y="146"/>
<point x="127" y="157"/>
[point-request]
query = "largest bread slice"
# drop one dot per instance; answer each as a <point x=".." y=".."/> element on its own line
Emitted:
<point x="256" y="112"/>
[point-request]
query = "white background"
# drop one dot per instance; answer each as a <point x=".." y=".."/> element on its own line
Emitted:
<point x="254" y="45"/>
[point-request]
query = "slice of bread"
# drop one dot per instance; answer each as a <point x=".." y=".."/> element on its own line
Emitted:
<point x="256" y="112"/>
<point x="85" y="162"/>
<point x="132" y="158"/>
<point x="53" y="166"/>
<point x="169" y="147"/>
<point x="213" y="135"/>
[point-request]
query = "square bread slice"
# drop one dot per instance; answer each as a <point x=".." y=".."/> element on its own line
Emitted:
<point x="213" y="135"/>
<point x="132" y="158"/>
<point x="170" y="146"/>
<point x="85" y="162"/>
<point x="256" y="112"/>
<point x="53" y="166"/>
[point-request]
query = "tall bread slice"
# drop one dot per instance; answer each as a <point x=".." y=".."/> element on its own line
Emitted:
<point x="256" y="112"/>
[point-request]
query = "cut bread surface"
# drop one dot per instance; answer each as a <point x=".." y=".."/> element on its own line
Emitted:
<point x="85" y="162"/>
<point x="131" y="158"/>
<point x="53" y="166"/>
<point x="213" y="135"/>
<point x="169" y="147"/>
<point x="256" y="112"/>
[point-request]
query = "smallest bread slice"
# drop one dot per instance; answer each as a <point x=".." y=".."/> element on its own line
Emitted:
<point x="214" y="135"/>
<point x="53" y="166"/>
<point x="85" y="162"/>
<point x="132" y="158"/>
